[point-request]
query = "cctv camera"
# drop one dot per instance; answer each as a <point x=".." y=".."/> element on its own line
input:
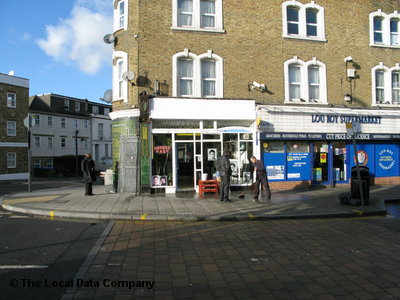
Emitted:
<point x="348" y="59"/>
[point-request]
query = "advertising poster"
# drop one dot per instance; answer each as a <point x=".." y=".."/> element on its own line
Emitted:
<point x="298" y="166"/>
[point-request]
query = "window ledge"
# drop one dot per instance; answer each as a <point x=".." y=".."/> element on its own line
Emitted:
<point x="384" y="46"/>
<point x="305" y="103"/>
<point x="198" y="29"/>
<point x="385" y="105"/>
<point x="304" y="38"/>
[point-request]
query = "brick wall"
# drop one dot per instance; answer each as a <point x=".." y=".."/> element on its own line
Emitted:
<point x="253" y="48"/>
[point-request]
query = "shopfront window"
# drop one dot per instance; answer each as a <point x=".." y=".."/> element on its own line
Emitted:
<point x="273" y="147"/>
<point x="162" y="160"/>
<point x="339" y="161"/>
<point x="297" y="146"/>
<point x="211" y="153"/>
<point x="320" y="167"/>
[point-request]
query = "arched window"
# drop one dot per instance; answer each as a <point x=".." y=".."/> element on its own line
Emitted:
<point x="303" y="21"/>
<point x="305" y="82"/>
<point x="197" y="75"/>
<point x="384" y="29"/>
<point x="385" y="85"/>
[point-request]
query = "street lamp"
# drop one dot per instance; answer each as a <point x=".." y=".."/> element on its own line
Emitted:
<point x="76" y="153"/>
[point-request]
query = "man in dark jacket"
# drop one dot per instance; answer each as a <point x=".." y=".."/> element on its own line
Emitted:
<point x="224" y="169"/>
<point x="89" y="175"/>
<point x="261" y="177"/>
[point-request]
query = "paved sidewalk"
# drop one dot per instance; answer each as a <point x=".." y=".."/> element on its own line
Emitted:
<point x="316" y="202"/>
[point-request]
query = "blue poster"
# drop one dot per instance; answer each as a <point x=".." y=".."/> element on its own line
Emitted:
<point x="386" y="163"/>
<point x="298" y="166"/>
<point x="275" y="166"/>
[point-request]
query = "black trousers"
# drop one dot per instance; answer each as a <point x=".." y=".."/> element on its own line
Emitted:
<point x="224" y="187"/>
<point x="88" y="187"/>
<point x="262" y="179"/>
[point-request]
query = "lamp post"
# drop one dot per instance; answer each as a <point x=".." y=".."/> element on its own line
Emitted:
<point x="76" y="153"/>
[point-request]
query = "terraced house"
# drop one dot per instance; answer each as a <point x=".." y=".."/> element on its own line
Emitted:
<point x="14" y="96"/>
<point x="275" y="79"/>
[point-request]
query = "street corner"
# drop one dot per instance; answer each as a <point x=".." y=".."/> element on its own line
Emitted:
<point x="20" y="200"/>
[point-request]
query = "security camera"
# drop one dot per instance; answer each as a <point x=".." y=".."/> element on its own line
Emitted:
<point x="259" y="86"/>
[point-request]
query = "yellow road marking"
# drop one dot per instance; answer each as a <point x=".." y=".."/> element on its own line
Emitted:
<point x="358" y="212"/>
<point x="143" y="217"/>
<point x="31" y="199"/>
<point x="251" y="216"/>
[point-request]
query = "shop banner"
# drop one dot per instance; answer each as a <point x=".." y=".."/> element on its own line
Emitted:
<point x="328" y="136"/>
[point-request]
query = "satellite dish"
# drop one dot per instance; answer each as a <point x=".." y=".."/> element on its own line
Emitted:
<point x="107" y="96"/>
<point x="11" y="73"/>
<point x="109" y="38"/>
<point x="128" y="75"/>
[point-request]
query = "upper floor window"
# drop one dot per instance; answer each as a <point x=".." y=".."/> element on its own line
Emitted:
<point x="77" y="106"/>
<point x="85" y="124"/>
<point x="120" y="14"/>
<point x="106" y="111"/>
<point x="11" y="128"/>
<point x="386" y="85"/>
<point x="384" y="29"/>
<point x="198" y="15"/>
<point x="11" y="100"/>
<point x="305" y="82"/>
<point x="100" y="131"/>
<point x="120" y="86"/>
<point x="197" y="75"/>
<point x="37" y="119"/>
<point x="63" y="142"/>
<point x="49" y="121"/>
<point x="63" y="123"/>
<point x="75" y="123"/>
<point x="95" y="109"/>
<point x="36" y="141"/>
<point x="66" y="104"/>
<point x="11" y="160"/>
<point x="304" y="21"/>
<point x="50" y="142"/>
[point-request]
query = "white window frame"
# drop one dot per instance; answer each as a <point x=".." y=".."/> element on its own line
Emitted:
<point x="117" y="15"/>
<point x="36" y="141"/>
<point x="388" y="87"/>
<point x="304" y="84"/>
<point x="77" y="106"/>
<point x="66" y="104"/>
<point x="11" y="160"/>
<point x="50" y="142"/>
<point x="120" y="56"/>
<point x="85" y="143"/>
<point x="11" y="103"/>
<point x="11" y="128"/>
<point x="100" y="130"/>
<point x="196" y="26"/>
<point x="85" y="124"/>
<point x="95" y="109"/>
<point x="197" y="78"/>
<point x="63" y="142"/>
<point x="37" y="119"/>
<point x="49" y="163"/>
<point x="50" y="121"/>
<point x="63" y="122"/>
<point x="75" y="123"/>
<point x="320" y="37"/>
<point x="37" y="163"/>
<point x="386" y="32"/>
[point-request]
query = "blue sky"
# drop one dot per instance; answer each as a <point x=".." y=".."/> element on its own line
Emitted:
<point x="58" y="45"/>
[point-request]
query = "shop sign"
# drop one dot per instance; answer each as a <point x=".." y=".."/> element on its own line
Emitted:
<point x="162" y="149"/>
<point x="328" y="136"/>
<point x="298" y="166"/>
<point x="276" y="172"/>
<point x="322" y="118"/>
<point x="386" y="159"/>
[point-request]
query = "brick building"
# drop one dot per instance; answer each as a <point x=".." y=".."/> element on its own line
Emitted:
<point x="14" y="95"/>
<point x="277" y="79"/>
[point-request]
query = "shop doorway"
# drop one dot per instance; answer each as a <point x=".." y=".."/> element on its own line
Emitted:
<point x="339" y="161"/>
<point x="320" y="162"/>
<point x="185" y="165"/>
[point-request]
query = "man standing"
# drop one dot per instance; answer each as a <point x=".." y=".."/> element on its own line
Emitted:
<point x="261" y="177"/>
<point x="89" y="175"/>
<point x="224" y="169"/>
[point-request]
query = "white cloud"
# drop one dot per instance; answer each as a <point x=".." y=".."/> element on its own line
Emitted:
<point x="79" y="39"/>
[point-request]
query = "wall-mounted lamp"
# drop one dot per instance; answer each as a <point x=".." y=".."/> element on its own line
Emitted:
<point x="348" y="98"/>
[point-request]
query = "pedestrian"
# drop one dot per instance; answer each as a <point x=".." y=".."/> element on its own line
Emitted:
<point x="224" y="169"/>
<point x="87" y="166"/>
<point x="261" y="178"/>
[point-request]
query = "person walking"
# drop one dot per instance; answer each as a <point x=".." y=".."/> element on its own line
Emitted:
<point x="87" y="166"/>
<point x="224" y="169"/>
<point x="261" y="178"/>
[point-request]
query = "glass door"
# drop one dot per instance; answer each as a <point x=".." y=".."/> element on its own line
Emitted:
<point x="339" y="161"/>
<point x="185" y="158"/>
<point x="320" y="162"/>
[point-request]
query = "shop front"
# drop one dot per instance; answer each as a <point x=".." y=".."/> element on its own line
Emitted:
<point x="187" y="142"/>
<point x="306" y="146"/>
